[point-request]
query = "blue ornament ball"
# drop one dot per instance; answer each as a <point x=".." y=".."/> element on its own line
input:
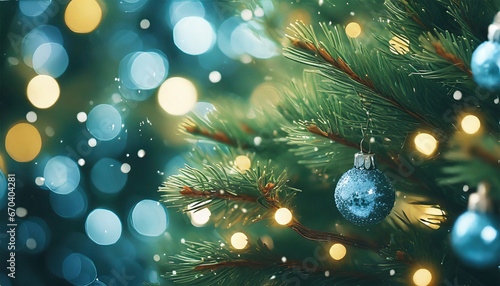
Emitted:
<point x="364" y="196"/>
<point x="486" y="65"/>
<point x="475" y="239"/>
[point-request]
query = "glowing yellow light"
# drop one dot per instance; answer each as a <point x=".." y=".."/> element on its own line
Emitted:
<point x="43" y="91"/>
<point x="426" y="143"/>
<point x="283" y="216"/>
<point x="2" y="165"/>
<point x="243" y="163"/>
<point x="471" y="124"/>
<point x="23" y="142"/>
<point x="239" y="240"/>
<point x="265" y="94"/>
<point x="83" y="16"/>
<point x="299" y="15"/>
<point x="199" y="217"/>
<point x="177" y="96"/>
<point x="338" y="251"/>
<point x="399" y="45"/>
<point x="353" y="30"/>
<point x="422" y="277"/>
<point x="433" y="217"/>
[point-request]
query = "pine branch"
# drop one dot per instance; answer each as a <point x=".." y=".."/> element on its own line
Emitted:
<point x="210" y="263"/>
<point x="341" y="65"/>
<point x="451" y="58"/>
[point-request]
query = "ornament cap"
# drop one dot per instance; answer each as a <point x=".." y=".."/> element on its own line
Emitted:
<point x="494" y="29"/>
<point x="480" y="200"/>
<point x="364" y="161"/>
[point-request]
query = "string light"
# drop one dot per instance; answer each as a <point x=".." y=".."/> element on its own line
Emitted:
<point x="283" y="216"/>
<point x="471" y="124"/>
<point x="243" y="163"/>
<point x="43" y="91"/>
<point x="399" y="45"/>
<point x="338" y="251"/>
<point x="177" y="96"/>
<point x="426" y="143"/>
<point x="199" y="217"/>
<point x="239" y="240"/>
<point x="23" y="142"/>
<point x="83" y="16"/>
<point x="353" y="30"/>
<point x="422" y="277"/>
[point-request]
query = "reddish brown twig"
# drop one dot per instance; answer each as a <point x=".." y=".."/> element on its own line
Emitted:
<point x="451" y="57"/>
<point x="340" y="64"/>
<point x="318" y="235"/>
<point x="218" y="136"/>
<point x="221" y="194"/>
<point x="332" y="136"/>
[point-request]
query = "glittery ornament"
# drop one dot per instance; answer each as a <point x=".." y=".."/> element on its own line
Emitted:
<point x="364" y="195"/>
<point x="475" y="236"/>
<point x="485" y="63"/>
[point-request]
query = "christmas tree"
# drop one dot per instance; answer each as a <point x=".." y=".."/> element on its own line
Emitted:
<point x="378" y="165"/>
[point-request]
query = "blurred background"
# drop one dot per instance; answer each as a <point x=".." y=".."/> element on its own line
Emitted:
<point x="92" y="93"/>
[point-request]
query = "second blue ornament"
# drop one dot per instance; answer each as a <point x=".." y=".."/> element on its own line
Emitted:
<point x="364" y="195"/>
<point x="485" y="63"/>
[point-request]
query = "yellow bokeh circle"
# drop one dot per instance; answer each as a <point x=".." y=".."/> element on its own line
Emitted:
<point x="43" y="91"/>
<point x="23" y="142"/>
<point x="83" y="16"/>
<point x="338" y="251"/>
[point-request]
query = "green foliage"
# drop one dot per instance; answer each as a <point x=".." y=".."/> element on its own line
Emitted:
<point x="231" y="194"/>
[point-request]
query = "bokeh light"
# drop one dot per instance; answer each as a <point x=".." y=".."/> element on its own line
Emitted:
<point x="107" y="176"/>
<point x="123" y="42"/>
<point x="81" y="116"/>
<point x="265" y="94"/>
<point x="426" y="143"/>
<point x="104" y="122"/>
<point x="399" y="45"/>
<point x="422" y="277"/>
<point x="243" y="163"/>
<point x="33" y="235"/>
<point x="103" y="227"/>
<point x="353" y="30"/>
<point x="33" y="8"/>
<point x="214" y="77"/>
<point x="177" y="96"/>
<point x="239" y="240"/>
<point x="83" y="16"/>
<point x="129" y="6"/>
<point x="337" y="251"/>
<point x="61" y="175"/>
<point x="43" y="91"/>
<point x="148" y="69"/>
<point x="79" y="270"/>
<point x="23" y="142"/>
<point x="202" y="109"/>
<point x="31" y="117"/>
<point x="180" y="9"/>
<point x="224" y="36"/>
<point x="283" y="216"/>
<point x="71" y="205"/>
<point x="299" y="15"/>
<point x="35" y="38"/>
<point x="50" y="59"/>
<point x="245" y="41"/>
<point x="471" y="124"/>
<point x="149" y="218"/>
<point x="194" y="35"/>
<point x="3" y="188"/>
<point x="200" y="216"/>
<point x="134" y="94"/>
